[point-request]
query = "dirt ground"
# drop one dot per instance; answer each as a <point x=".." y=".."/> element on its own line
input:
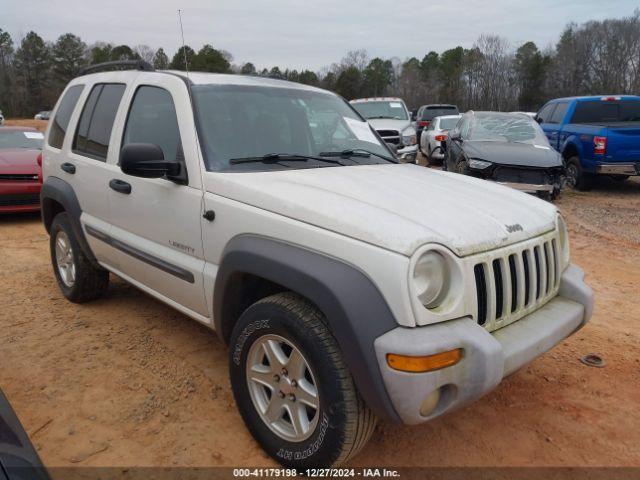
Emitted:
<point x="127" y="381"/>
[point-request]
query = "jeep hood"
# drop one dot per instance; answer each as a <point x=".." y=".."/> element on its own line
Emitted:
<point x="397" y="207"/>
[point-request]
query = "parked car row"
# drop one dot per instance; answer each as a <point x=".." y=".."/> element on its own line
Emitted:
<point x="569" y="141"/>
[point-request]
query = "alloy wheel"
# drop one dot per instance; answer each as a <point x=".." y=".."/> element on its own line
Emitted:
<point x="283" y="388"/>
<point x="64" y="259"/>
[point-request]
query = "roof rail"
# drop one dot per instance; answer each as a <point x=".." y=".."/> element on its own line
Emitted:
<point x="118" y="65"/>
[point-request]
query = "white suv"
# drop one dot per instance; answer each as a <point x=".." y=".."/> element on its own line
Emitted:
<point x="347" y="286"/>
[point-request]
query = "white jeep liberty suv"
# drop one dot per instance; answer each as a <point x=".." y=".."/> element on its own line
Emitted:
<point x="347" y="286"/>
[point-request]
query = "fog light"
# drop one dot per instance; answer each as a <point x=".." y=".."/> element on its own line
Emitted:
<point x="430" y="403"/>
<point x="427" y="363"/>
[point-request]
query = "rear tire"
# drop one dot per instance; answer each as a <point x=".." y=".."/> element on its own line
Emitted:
<point x="288" y="326"/>
<point x="430" y="160"/>
<point x="576" y="177"/>
<point x="79" y="280"/>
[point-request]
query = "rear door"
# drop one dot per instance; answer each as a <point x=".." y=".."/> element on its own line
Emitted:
<point x="557" y="135"/>
<point x="83" y="160"/>
<point x="156" y="226"/>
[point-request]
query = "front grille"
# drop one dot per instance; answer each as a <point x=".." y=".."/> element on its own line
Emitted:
<point x="390" y="136"/>
<point x="520" y="175"/>
<point x="512" y="285"/>
<point x="18" y="177"/>
<point x="19" y="199"/>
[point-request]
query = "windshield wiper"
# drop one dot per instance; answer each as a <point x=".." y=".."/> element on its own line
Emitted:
<point x="279" y="157"/>
<point x="356" y="152"/>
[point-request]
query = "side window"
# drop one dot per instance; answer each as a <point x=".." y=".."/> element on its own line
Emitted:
<point x="545" y="114"/>
<point x="152" y="119"/>
<point x="63" y="115"/>
<point x="96" y="121"/>
<point x="559" y="113"/>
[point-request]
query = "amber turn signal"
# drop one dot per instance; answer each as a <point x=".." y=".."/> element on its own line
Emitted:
<point x="427" y="363"/>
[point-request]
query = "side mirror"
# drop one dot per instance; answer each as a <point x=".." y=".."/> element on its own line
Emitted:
<point x="455" y="136"/>
<point x="537" y="119"/>
<point x="147" y="160"/>
<point x="393" y="147"/>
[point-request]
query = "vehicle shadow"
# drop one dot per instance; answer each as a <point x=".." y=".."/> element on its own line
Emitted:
<point x="604" y="184"/>
<point x="23" y="218"/>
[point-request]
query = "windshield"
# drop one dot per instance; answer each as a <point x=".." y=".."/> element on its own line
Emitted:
<point x="432" y="112"/>
<point x="506" y="127"/>
<point x="242" y="122"/>
<point x="448" y="123"/>
<point x="21" y="139"/>
<point x="390" y="109"/>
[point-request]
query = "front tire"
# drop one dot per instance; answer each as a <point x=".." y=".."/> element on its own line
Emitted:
<point x="292" y="387"/>
<point x="576" y="177"/>
<point x="79" y="280"/>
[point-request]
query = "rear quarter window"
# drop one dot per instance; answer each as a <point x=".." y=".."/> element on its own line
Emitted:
<point x="63" y="115"/>
<point x="96" y="122"/>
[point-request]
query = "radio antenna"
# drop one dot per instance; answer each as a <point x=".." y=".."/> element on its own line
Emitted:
<point x="184" y="49"/>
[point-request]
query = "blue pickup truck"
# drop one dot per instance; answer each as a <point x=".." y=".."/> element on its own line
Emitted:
<point x="596" y="135"/>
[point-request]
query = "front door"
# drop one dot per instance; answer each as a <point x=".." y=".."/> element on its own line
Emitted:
<point x="156" y="222"/>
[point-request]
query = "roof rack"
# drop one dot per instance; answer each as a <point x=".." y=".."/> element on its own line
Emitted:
<point x="118" y="65"/>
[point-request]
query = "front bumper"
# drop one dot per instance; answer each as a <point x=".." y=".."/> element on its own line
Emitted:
<point x="408" y="154"/>
<point x="488" y="356"/>
<point x="19" y="197"/>
<point x="529" y="187"/>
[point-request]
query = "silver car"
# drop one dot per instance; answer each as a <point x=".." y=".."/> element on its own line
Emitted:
<point x="390" y="117"/>
<point x="434" y="135"/>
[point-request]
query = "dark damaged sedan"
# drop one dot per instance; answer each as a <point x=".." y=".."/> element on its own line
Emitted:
<point x="508" y="148"/>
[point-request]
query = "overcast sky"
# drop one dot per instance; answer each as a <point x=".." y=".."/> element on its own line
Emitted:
<point x="311" y="33"/>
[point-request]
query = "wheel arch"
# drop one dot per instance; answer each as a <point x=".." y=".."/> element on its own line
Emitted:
<point x="353" y="306"/>
<point x="57" y="196"/>
<point x="570" y="149"/>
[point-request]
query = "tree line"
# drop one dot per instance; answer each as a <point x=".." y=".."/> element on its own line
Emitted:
<point x="595" y="57"/>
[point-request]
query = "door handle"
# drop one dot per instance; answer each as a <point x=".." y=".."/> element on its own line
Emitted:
<point x="120" y="186"/>
<point x="68" y="167"/>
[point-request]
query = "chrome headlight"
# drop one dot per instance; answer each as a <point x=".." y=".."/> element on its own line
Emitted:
<point x="563" y="238"/>
<point x="409" y="137"/>
<point x="478" y="164"/>
<point x="431" y="279"/>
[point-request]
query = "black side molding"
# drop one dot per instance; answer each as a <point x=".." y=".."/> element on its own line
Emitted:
<point x="145" y="257"/>
<point x="354" y="307"/>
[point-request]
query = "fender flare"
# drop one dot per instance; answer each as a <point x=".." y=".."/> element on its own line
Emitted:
<point x="574" y="142"/>
<point x="355" y="309"/>
<point x="57" y="190"/>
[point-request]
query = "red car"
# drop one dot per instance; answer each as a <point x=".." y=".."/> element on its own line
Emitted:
<point x="20" y="171"/>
